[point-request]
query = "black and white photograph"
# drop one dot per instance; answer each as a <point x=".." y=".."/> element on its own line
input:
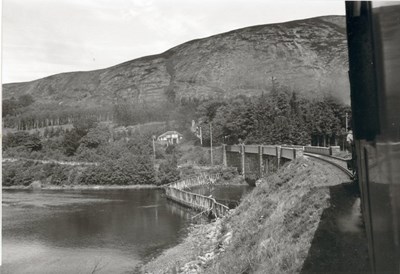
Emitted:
<point x="188" y="136"/>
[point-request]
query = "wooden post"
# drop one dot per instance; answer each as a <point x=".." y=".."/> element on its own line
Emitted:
<point x="278" y="156"/>
<point x="211" y="146"/>
<point x="201" y="137"/>
<point x="154" y="151"/>
<point x="224" y="155"/>
<point x="260" y="160"/>
<point x="243" y="160"/>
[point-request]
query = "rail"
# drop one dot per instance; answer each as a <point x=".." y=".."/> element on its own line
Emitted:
<point x="335" y="161"/>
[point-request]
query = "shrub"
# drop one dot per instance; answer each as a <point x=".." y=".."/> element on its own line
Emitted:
<point x="71" y="142"/>
<point x="8" y="176"/>
<point x="96" y="137"/>
<point x="59" y="175"/>
<point x="168" y="171"/>
<point x="128" y="170"/>
<point x="228" y="173"/>
<point x="171" y="149"/>
<point x="31" y="142"/>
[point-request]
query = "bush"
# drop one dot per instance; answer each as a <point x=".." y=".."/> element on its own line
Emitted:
<point x="19" y="173"/>
<point x="31" y="142"/>
<point x="168" y="171"/>
<point x="59" y="175"/>
<point x="228" y="173"/>
<point x="171" y="149"/>
<point x="160" y="154"/>
<point x="71" y="142"/>
<point x="128" y="170"/>
<point x="96" y="137"/>
<point x="34" y="143"/>
<point x="8" y="176"/>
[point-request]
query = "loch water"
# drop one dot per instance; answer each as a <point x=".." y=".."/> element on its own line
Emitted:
<point x="88" y="231"/>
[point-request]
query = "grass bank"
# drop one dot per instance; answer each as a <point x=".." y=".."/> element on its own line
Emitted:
<point x="270" y="232"/>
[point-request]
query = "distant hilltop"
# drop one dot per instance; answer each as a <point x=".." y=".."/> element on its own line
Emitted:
<point x="308" y="56"/>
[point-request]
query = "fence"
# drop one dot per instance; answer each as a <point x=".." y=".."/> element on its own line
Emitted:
<point x="176" y="192"/>
<point x="203" y="179"/>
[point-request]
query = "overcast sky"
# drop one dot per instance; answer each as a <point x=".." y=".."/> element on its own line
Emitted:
<point x="45" y="37"/>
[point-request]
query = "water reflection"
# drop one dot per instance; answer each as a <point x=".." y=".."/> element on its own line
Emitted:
<point x="182" y="211"/>
<point x="75" y="231"/>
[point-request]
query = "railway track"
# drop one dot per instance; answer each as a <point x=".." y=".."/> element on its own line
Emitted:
<point x="335" y="161"/>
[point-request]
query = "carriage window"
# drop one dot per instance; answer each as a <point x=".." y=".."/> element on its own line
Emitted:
<point x="386" y="29"/>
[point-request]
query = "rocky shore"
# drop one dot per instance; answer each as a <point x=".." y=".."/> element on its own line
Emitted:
<point x="200" y="247"/>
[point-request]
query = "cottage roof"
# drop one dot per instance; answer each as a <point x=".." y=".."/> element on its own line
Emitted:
<point x="170" y="132"/>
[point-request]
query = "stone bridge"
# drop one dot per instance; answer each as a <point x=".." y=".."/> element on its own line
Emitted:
<point x="255" y="161"/>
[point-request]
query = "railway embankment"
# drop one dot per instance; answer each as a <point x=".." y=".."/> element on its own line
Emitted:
<point x="288" y="224"/>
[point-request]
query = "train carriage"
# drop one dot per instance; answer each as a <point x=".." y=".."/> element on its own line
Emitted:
<point x="373" y="32"/>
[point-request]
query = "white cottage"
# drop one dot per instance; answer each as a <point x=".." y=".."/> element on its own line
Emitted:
<point x="170" y="137"/>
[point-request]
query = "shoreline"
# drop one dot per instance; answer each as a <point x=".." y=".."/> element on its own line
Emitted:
<point x="81" y="187"/>
<point x="99" y="187"/>
<point x="199" y="248"/>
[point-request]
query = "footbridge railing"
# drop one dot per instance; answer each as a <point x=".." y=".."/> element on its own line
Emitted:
<point x="179" y="193"/>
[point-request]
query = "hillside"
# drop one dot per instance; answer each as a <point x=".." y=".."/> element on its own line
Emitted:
<point x="309" y="56"/>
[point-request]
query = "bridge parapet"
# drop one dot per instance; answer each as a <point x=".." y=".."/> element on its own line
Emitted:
<point x="257" y="160"/>
<point x="270" y="150"/>
<point x="251" y="149"/>
<point x="288" y="153"/>
<point x="318" y="150"/>
<point x="233" y="148"/>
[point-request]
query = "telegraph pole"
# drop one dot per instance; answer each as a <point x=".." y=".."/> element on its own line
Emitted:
<point x="211" y="144"/>
<point x="347" y="123"/>
<point x="201" y="137"/>
<point x="154" y="151"/>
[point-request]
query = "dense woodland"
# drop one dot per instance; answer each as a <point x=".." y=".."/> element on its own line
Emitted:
<point x="279" y="118"/>
<point x="126" y="156"/>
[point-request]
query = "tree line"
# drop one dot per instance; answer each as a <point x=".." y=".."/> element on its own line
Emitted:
<point x="25" y="114"/>
<point x="279" y="118"/>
